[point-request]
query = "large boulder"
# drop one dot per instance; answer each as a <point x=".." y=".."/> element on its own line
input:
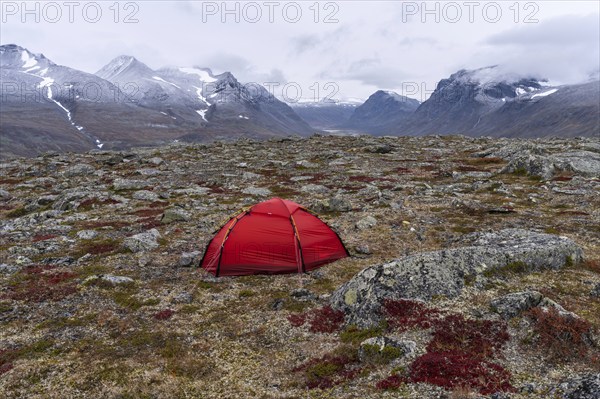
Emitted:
<point x="428" y="274"/>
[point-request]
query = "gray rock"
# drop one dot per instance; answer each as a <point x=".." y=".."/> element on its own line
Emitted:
<point x="5" y="195"/>
<point x="149" y="172"/>
<point x="127" y="184"/>
<point x="145" y="195"/>
<point x="108" y="279"/>
<point x="86" y="234"/>
<point x="424" y="275"/>
<point x="142" y="242"/>
<point x="184" y="297"/>
<point x="407" y="348"/>
<point x="257" y="191"/>
<point x="366" y="223"/>
<point x="156" y="161"/>
<point x="302" y="294"/>
<point x="314" y="189"/>
<point x="595" y="293"/>
<point x="471" y="175"/>
<point x="81" y="169"/>
<point x="512" y="305"/>
<point x="338" y="204"/>
<point x="582" y="387"/>
<point x="8" y="269"/>
<point x="189" y="258"/>
<point x="363" y="249"/>
<point x="174" y="214"/>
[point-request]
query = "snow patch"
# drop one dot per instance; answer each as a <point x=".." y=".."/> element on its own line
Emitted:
<point x="544" y="94"/>
<point x="28" y="60"/>
<point x="202" y="74"/>
<point x="164" y="81"/>
<point x="199" y="94"/>
<point x="243" y="117"/>
<point x="202" y="113"/>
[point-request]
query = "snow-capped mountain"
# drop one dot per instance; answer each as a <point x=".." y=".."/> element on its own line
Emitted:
<point x="46" y="106"/>
<point x="383" y="110"/>
<point x="327" y="113"/>
<point x="484" y="102"/>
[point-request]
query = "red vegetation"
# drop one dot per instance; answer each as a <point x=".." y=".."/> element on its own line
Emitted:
<point x="392" y="382"/>
<point x="456" y="369"/>
<point x="43" y="237"/>
<point x="404" y="314"/>
<point x="93" y="202"/>
<point x="297" y="320"/>
<point x="456" y="355"/>
<point x="321" y="320"/>
<point x="562" y="337"/>
<point x="42" y="283"/>
<point x="148" y="212"/>
<point x="164" y="314"/>
<point x="149" y="223"/>
<point x="7" y="357"/>
<point x="478" y="338"/>
<point x="101" y="223"/>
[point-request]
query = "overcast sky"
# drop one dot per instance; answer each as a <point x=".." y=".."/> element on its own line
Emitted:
<point x="363" y="46"/>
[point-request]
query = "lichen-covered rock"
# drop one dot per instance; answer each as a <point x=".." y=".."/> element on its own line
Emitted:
<point x="513" y="304"/>
<point x="582" y="387"/>
<point x="428" y="274"/>
<point x="142" y="242"/>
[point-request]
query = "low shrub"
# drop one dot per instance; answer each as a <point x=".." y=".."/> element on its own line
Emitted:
<point x="457" y="369"/>
<point x="41" y="283"/>
<point x="320" y="320"/>
<point x="329" y="370"/>
<point x="403" y="314"/>
<point x="164" y="314"/>
<point x="478" y="338"/>
<point x="562" y="337"/>
<point x="393" y="382"/>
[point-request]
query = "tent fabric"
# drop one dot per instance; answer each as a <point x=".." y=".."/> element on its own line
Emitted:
<point x="273" y="237"/>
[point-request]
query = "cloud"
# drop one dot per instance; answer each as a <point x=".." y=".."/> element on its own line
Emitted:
<point x="369" y="71"/>
<point x="563" y="49"/>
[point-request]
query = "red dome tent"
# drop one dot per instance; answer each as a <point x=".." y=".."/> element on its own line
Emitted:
<point x="273" y="237"/>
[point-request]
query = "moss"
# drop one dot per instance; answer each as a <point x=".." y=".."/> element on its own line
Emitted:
<point x="17" y="213"/>
<point x="507" y="270"/>
<point x="354" y="335"/>
<point x="246" y="293"/>
<point x="374" y="354"/>
<point x="127" y="299"/>
<point x="569" y="262"/>
<point x="551" y="230"/>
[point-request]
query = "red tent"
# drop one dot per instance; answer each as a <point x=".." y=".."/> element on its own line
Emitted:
<point x="272" y="237"/>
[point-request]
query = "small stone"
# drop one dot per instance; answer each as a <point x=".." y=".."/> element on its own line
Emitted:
<point x="184" y="297"/>
<point x="302" y="294"/>
<point x="8" y="269"/>
<point x="189" y="258"/>
<point x="5" y="195"/>
<point x="145" y="195"/>
<point x="108" y="279"/>
<point x="257" y="191"/>
<point x="156" y="161"/>
<point x="595" y="293"/>
<point x="86" y="234"/>
<point x="338" y="204"/>
<point x="126" y="184"/>
<point x="142" y="242"/>
<point x="366" y="223"/>
<point x="314" y="189"/>
<point x="174" y="214"/>
<point x="363" y="249"/>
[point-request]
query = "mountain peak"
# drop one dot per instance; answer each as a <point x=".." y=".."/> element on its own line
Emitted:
<point x="122" y="64"/>
<point x="15" y="56"/>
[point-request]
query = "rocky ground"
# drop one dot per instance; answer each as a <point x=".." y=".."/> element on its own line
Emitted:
<point x="475" y="272"/>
